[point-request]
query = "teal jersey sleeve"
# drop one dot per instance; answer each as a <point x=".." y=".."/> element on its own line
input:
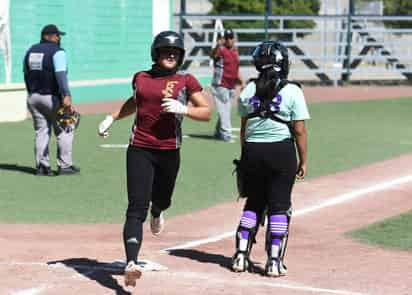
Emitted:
<point x="243" y="103"/>
<point x="299" y="110"/>
<point x="60" y="61"/>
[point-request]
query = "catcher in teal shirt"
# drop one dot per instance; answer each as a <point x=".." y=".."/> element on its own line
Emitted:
<point x="273" y="113"/>
<point x="291" y="106"/>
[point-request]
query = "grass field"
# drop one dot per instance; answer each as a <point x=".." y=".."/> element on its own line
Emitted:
<point x="392" y="233"/>
<point x="341" y="136"/>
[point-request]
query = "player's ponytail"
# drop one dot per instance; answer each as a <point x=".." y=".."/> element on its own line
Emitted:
<point x="266" y="85"/>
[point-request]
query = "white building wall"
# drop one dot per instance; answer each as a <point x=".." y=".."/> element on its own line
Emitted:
<point x="161" y="12"/>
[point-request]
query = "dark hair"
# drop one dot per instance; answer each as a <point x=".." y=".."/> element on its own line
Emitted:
<point x="266" y="84"/>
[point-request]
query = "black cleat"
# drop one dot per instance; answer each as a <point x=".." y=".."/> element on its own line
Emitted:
<point x="44" y="171"/>
<point x="68" y="170"/>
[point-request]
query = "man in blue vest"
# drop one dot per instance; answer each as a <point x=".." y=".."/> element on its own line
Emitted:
<point x="45" y="76"/>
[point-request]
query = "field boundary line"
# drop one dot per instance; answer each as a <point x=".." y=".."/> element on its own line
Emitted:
<point x="259" y="283"/>
<point x="339" y="199"/>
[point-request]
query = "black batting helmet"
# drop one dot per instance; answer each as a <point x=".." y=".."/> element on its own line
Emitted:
<point x="271" y="55"/>
<point x="168" y="39"/>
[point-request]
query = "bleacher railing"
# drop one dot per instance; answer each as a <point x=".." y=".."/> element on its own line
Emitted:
<point x="330" y="52"/>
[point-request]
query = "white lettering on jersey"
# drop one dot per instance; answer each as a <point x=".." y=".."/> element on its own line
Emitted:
<point x="36" y="61"/>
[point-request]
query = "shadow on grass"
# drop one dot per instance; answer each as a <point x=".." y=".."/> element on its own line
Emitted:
<point x="18" y="168"/>
<point x="208" y="137"/>
<point x="101" y="272"/>
<point x="202" y="136"/>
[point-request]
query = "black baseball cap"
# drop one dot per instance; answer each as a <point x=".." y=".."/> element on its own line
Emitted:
<point x="229" y="34"/>
<point x="51" y="29"/>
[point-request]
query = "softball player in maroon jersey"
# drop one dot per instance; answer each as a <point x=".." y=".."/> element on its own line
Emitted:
<point x="160" y="102"/>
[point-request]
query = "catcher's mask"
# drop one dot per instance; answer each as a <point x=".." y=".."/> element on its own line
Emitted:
<point x="67" y="120"/>
<point x="168" y="39"/>
<point x="271" y="55"/>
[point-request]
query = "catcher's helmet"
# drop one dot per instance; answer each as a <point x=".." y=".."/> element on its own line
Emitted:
<point x="168" y="39"/>
<point x="271" y="55"/>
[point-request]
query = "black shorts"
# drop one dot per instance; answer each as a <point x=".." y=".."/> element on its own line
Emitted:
<point x="270" y="171"/>
<point x="151" y="176"/>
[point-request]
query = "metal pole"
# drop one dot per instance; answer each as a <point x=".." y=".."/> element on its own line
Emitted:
<point x="182" y="12"/>
<point x="348" y="49"/>
<point x="268" y="11"/>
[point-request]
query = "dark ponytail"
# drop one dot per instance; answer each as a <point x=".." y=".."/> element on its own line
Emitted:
<point x="266" y="83"/>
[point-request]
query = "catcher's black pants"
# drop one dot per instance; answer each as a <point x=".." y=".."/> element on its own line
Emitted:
<point x="270" y="171"/>
<point x="151" y="176"/>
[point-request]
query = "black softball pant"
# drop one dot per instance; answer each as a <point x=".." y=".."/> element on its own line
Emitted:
<point x="151" y="177"/>
<point x="270" y="171"/>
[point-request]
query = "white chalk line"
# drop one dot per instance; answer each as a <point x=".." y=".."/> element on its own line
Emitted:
<point x="117" y="266"/>
<point x="145" y="265"/>
<point x="261" y="283"/>
<point x="124" y="146"/>
<point x="328" y="203"/>
<point x="32" y="291"/>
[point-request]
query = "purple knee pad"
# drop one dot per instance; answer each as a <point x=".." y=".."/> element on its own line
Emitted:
<point x="248" y="221"/>
<point x="246" y="226"/>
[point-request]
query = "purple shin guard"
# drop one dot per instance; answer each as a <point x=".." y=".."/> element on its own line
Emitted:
<point x="278" y="229"/>
<point x="247" y="222"/>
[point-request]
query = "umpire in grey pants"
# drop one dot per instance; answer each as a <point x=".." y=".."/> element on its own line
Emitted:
<point x="45" y="76"/>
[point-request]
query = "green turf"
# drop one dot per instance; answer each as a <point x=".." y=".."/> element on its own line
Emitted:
<point x="341" y="136"/>
<point x="345" y="135"/>
<point x="391" y="233"/>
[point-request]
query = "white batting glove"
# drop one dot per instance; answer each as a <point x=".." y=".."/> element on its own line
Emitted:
<point x="105" y="125"/>
<point x="171" y="105"/>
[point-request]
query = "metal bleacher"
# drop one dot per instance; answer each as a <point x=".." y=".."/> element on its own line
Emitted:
<point x="339" y="46"/>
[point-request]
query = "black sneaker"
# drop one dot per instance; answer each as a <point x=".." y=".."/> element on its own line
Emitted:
<point x="68" y="170"/>
<point x="44" y="171"/>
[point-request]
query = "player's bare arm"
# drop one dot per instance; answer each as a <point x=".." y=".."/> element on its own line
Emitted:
<point x="199" y="108"/>
<point x="213" y="53"/>
<point x="301" y="144"/>
<point x="128" y="108"/>
<point x="242" y="130"/>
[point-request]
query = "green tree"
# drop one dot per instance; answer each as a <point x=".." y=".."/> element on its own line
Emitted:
<point x="398" y="7"/>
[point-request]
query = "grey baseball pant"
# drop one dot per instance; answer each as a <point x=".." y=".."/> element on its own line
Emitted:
<point x="43" y="109"/>
<point x="223" y="100"/>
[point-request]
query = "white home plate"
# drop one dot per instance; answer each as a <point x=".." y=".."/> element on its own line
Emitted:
<point x="146" y="265"/>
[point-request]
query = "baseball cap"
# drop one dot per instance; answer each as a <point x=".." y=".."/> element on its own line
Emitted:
<point x="51" y="29"/>
<point x="229" y="34"/>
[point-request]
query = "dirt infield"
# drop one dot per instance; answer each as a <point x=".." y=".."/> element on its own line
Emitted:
<point x="79" y="259"/>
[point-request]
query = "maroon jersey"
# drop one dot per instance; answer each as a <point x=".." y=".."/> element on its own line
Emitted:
<point x="226" y="71"/>
<point x="152" y="127"/>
